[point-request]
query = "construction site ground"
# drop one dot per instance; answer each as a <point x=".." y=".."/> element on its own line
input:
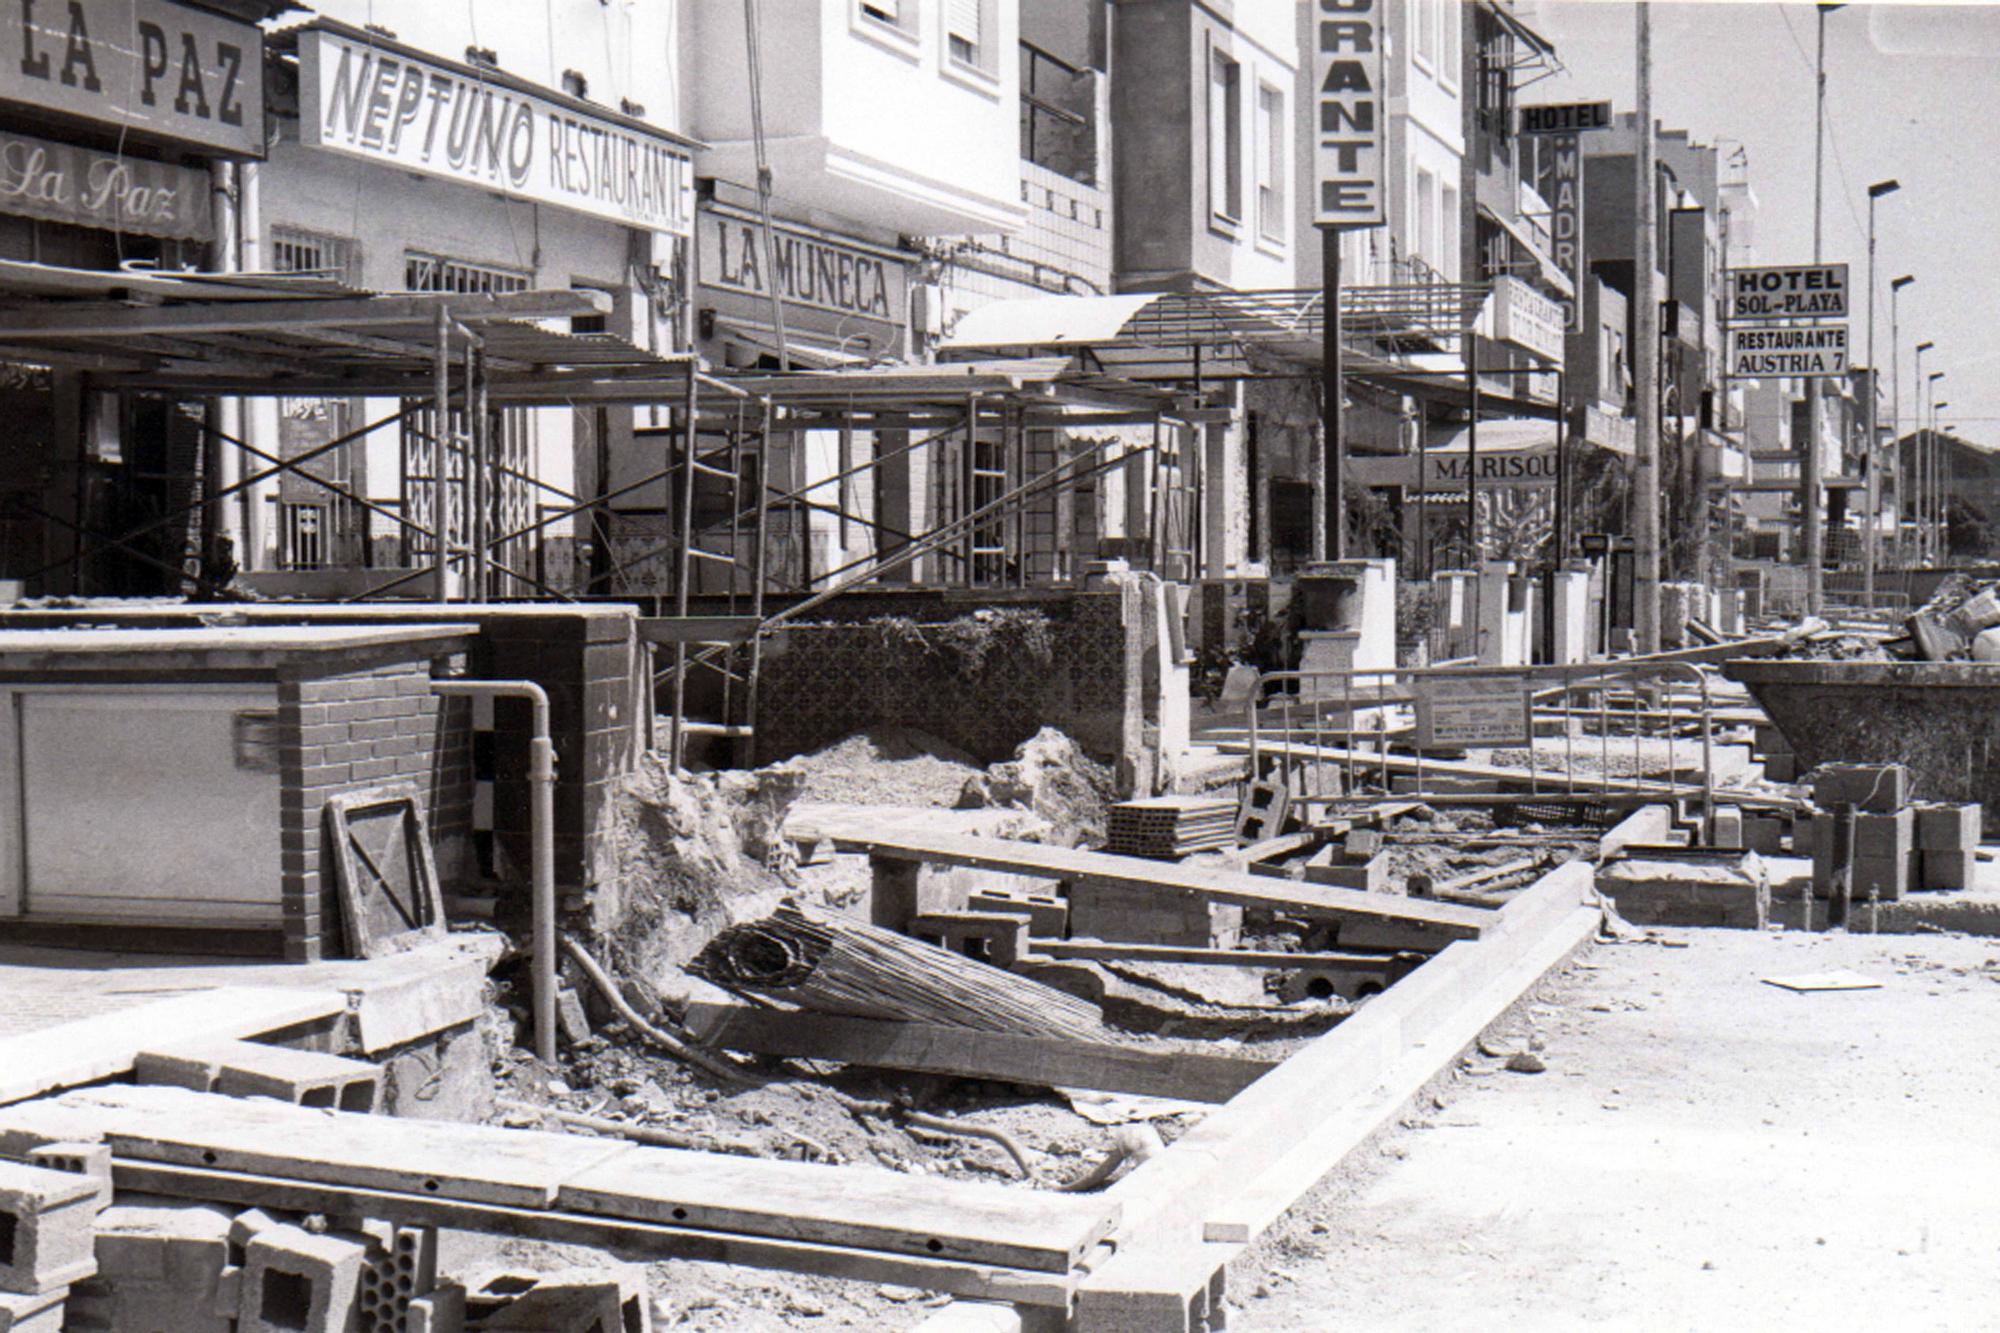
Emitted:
<point x="1704" y="1150"/>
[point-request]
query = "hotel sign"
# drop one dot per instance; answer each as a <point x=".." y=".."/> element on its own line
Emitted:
<point x="146" y="66"/>
<point x="839" y="277"/>
<point x="1350" y="114"/>
<point x="64" y="183"/>
<point x="379" y="101"/>
<point x="1797" y="291"/>
<point x="1787" y="351"/>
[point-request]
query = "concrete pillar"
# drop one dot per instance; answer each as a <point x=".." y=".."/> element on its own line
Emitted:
<point x="899" y="499"/>
<point x="1495" y="642"/>
<point x="1461" y="636"/>
<point x="1571" y="613"/>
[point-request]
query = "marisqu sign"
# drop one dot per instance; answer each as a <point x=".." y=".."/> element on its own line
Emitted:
<point x="382" y="102"/>
<point x="147" y="66"/>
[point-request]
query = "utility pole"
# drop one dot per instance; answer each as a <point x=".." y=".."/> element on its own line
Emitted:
<point x="1645" y="371"/>
<point x="1940" y="547"/>
<point x="1920" y="464"/>
<point x="1332" y="390"/>
<point x="1896" y="286"/>
<point x="1873" y="448"/>
<point x="1812" y="495"/>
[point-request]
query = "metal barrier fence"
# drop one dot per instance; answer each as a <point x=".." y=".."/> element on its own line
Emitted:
<point x="1335" y="732"/>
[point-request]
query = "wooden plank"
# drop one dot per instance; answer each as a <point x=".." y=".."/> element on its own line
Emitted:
<point x="631" y="1239"/>
<point x="851" y="1206"/>
<point x="865" y="1207"/>
<point x="1042" y="1061"/>
<point x="1215" y="885"/>
<point x="1099" y="951"/>
<point x="1559" y="784"/>
<point x="103" y="1046"/>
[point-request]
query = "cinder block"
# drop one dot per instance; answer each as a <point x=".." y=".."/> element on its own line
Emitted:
<point x="1948" y="828"/>
<point x="401" y="1267"/>
<point x="253" y="1069"/>
<point x="46" y="1228"/>
<point x="159" y="1267"/>
<point x="1881" y="837"/>
<point x="443" y="1311"/>
<point x="1371" y="876"/>
<point x="296" y="1282"/>
<point x="1948" y="870"/>
<point x="1875" y="788"/>
<point x="1727" y="827"/>
<point x="575" y="1300"/>
<point x="1048" y="915"/>
<point x="1888" y="877"/>
<point x="43" y="1313"/>
<point x="1764" y="835"/>
<point x="90" y="1160"/>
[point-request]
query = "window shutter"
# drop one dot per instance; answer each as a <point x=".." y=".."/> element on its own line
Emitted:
<point x="961" y="19"/>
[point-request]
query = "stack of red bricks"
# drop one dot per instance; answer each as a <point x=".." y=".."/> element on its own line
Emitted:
<point x="1899" y="845"/>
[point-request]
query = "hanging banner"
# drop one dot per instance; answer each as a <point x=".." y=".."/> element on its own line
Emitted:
<point x="1349" y="114"/>
<point x="146" y="66"/>
<point x="373" y="99"/>
<point x="63" y="183"/>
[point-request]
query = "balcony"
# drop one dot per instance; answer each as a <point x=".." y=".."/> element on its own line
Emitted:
<point x="872" y="112"/>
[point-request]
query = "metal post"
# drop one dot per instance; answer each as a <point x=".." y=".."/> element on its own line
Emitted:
<point x="1872" y="517"/>
<point x="1811" y="493"/>
<point x="1472" y="449"/>
<point x="1333" y="387"/>
<point x="1646" y="456"/>
<point x="683" y="574"/>
<point x="440" y="456"/>
<point x="1896" y="286"/>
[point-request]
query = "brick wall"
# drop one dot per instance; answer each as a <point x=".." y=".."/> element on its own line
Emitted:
<point x="349" y="731"/>
<point x="823" y="682"/>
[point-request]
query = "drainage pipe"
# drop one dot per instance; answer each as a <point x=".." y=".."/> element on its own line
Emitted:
<point x="542" y="834"/>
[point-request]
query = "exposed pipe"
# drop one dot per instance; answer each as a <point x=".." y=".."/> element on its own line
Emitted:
<point x="542" y="835"/>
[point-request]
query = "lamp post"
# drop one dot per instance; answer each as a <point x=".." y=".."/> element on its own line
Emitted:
<point x="1813" y="494"/>
<point x="1896" y="286"/>
<point x="1936" y="470"/>
<point x="1920" y="465"/>
<point x="1873" y="439"/>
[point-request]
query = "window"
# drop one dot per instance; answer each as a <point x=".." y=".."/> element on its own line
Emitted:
<point x="429" y="273"/>
<point x="1225" y="137"/>
<point x="895" y="19"/>
<point x="1425" y="209"/>
<point x="962" y="31"/>
<point x="1451" y="44"/>
<point x="1424" y="20"/>
<point x="302" y="536"/>
<point x="1271" y="162"/>
<point x="1058" y="115"/>
<point x="1448" y="260"/>
<point x="296" y="251"/>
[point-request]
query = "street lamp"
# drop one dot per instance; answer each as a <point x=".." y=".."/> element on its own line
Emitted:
<point x="1896" y="286"/>
<point x="1920" y="468"/>
<point x="1944" y="474"/>
<point x="1936" y="470"/>
<point x="1873" y="439"/>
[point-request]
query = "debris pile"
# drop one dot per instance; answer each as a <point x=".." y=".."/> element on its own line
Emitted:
<point x="1960" y="623"/>
<point x="1051" y="775"/>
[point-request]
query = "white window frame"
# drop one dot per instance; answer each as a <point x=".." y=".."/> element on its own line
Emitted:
<point x="1423" y="34"/>
<point x="982" y="72"/>
<point x="1451" y="42"/>
<point x="1223" y="98"/>
<point x="1451" y="234"/>
<point x="1423" y="209"/>
<point x="903" y="36"/>
<point x="1273" y="158"/>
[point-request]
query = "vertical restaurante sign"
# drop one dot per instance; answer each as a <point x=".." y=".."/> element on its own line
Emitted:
<point x="379" y="101"/>
<point x="1349" y="114"/>
<point x="143" y="65"/>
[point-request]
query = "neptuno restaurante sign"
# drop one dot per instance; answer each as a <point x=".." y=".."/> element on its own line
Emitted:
<point x="374" y="99"/>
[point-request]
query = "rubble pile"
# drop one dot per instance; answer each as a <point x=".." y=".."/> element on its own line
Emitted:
<point x="1960" y="623"/>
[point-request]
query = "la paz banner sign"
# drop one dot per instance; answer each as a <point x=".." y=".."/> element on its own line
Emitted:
<point x="1788" y="351"/>
<point x="1793" y="291"/>
<point x="384" y="103"/>
<point x="1349" y="114"/>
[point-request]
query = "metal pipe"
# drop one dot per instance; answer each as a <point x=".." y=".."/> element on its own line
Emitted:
<point x="542" y="836"/>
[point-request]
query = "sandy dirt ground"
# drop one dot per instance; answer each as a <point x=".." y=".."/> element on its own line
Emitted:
<point x="1704" y="1151"/>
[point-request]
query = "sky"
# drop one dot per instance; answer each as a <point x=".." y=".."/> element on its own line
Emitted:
<point x="1912" y="94"/>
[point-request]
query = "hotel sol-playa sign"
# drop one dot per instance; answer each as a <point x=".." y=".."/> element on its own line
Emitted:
<point x="369" y="98"/>
<point x="146" y="66"/>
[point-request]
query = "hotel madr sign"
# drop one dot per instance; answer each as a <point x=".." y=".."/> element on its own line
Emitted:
<point x="156" y="69"/>
<point x="381" y="102"/>
<point x="1349" y="113"/>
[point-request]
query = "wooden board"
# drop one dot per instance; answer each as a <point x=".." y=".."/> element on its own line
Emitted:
<point x="1042" y="1061"/>
<point x="625" y="1238"/>
<point x="67" y="1055"/>
<point x="1099" y="951"/>
<point x="481" y="1164"/>
<point x="1240" y="888"/>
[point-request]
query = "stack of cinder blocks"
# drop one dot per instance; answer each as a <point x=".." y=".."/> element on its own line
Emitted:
<point x="1898" y="846"/>
<point x="253" y="1069"/>
<point x="1139" y="915"/>
<point x="47" y="1242"/>
<point x="1780" y="764"/>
